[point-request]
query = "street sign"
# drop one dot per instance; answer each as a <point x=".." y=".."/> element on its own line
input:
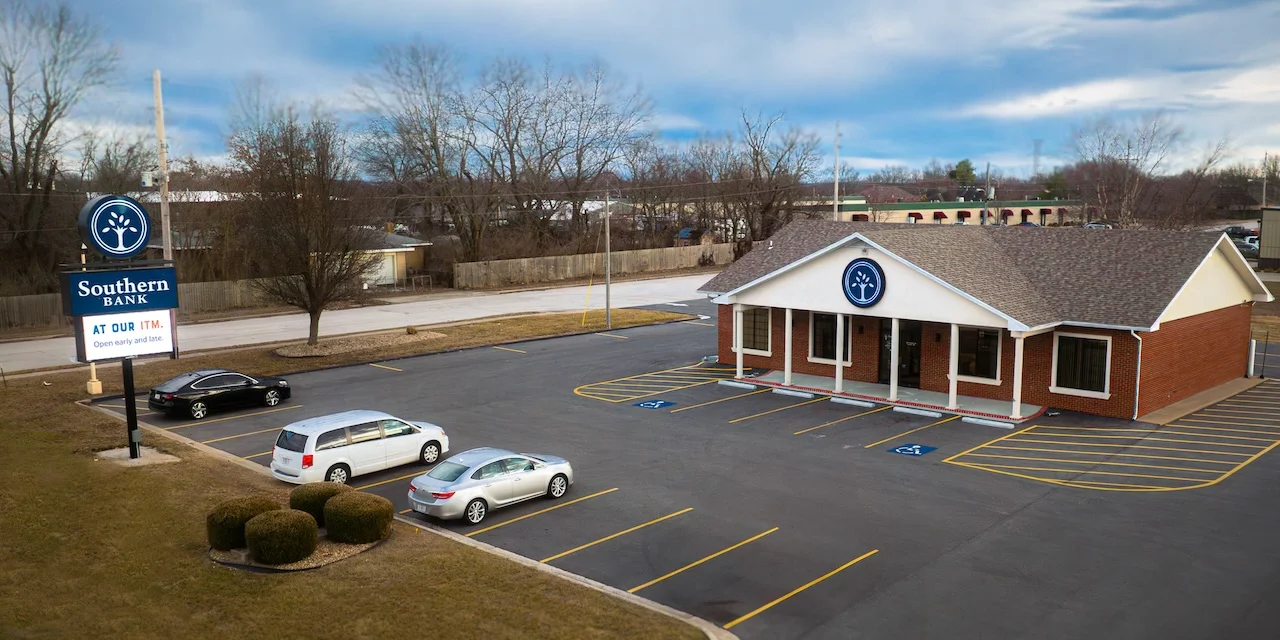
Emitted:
<point x="96" y="292"/>
<point x="654" y="404"/>
<point x="123" y="335"/>
<point x="116" y="227"/>
<point x="915" y="450"/>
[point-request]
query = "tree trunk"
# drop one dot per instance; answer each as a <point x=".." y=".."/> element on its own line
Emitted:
<point x="314" y="336"/>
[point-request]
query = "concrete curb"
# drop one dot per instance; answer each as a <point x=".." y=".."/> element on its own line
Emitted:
<point x="710" y="630"/>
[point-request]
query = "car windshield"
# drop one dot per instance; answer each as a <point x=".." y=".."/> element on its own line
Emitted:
<point x="178" y="382"/>
<point x="291" y="441"/>
<point x="447" y="471"/>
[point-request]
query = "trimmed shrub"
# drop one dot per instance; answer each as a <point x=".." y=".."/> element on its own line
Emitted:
<point x="312" y="497"/>
<point x="225" y="524"/>
<point x="281" y="536"/>
<point x="357" y="518"/>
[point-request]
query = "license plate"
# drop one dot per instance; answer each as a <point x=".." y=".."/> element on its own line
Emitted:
<point x="420" y="508"/>
<point x="286" y="460"/>
<point x="156" y="396"/>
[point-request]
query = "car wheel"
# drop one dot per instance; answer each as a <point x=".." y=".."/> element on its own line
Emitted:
<point x="476" y="510"/>
<point x="199" y="410"/>
<point x="338" y="473"/>
<point x="558" y="487"/>
<point x="271" y="398"/>
<point x="430" y="452"/>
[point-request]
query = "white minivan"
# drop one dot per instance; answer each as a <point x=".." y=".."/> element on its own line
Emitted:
<point x="341" y="446"/>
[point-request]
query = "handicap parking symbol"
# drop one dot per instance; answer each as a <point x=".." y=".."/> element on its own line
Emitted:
<point x="654" y="404"/>
<point x="912" y="450"/>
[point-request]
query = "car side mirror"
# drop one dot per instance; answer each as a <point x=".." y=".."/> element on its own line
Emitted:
<point x="538" y="465"/>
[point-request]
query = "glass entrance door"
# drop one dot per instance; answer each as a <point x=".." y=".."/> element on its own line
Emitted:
<point x="908" y="352"/>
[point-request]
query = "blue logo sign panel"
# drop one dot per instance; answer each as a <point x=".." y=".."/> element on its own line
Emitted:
<point x="90" y="293"/>
<point x="115" y="226"/>
<point x="915" y="450"/>
<point x="654" y="404"/>
<point x="863" y="282"/>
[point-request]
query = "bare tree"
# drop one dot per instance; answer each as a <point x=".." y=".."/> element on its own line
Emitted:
<point x="309" y="238"/>
<point x="114" y="163"/>
<point x="1119" y="159"/>
<point x="894" y="174"/>
<point x="1184" y="200"/>
<point x="50" y="60"/>
<point x="776" y="165"/>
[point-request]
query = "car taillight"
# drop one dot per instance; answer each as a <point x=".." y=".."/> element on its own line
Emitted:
<point x="442" y="496"/>
<point x="307" y="459"/>
<point x="412" y="488"/>
<point x="168" y="396"/>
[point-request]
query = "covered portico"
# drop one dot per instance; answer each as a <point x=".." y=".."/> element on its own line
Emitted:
<point x="908" y="299"/>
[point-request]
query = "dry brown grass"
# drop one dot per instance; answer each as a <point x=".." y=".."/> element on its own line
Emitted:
<point x="90" y="549"/>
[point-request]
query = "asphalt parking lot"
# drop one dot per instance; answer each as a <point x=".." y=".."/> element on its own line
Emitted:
<point x="787" y="517"/>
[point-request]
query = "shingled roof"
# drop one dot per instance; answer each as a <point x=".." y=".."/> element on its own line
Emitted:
<point x="1035" y="275"/>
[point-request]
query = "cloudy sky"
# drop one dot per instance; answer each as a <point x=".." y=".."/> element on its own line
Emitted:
<point x="909" y="80"/>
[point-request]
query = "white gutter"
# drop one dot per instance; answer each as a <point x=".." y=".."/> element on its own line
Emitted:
<point x="1137" y="382"/>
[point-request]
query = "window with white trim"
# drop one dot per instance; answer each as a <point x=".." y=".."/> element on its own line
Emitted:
<point x="1081" y="364"/>
<point x="755" y="330"/>
<point x="822" y="337"/>
<point x="979" y="353"/>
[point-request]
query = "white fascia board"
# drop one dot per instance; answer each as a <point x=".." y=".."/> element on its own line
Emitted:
<point x="777" y="272"/>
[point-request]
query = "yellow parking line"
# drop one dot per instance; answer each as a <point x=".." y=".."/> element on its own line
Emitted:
<point x="1115" y="484"/>
<point x="620" y="533"/>
<point x="1246" y="403"/>
<point x="790" y="406"/>
<point x="802" y="588"/>
<point x="1112" y="464"/>
<point x="1165" y="430"/>
<point x="113" y="406"/>
<point x="734" y="397"/>
<point x="1146" y="439"/>
<point x="201" y="423"/>
<point x="383" y="366"/>
<point x="856" y="415"/>
<point x="1132" y="446"/>
<point x="1276" y="434"/>
<point x="1109" y="453"/>
<point x="987" y="444"/>
<point x="404" y="511"/>
<point x="1092" y="473"/>
<point x="904" y="433"/>
<point x="701" y="324"/>
<point x="258" y="455"/>
<point x="1249" y="412"/>
<point x="1245" y="463"/>
<point x="380" y="483"/>
<point x="251" y="433"/>
<point x="1240" y="422"/>
<point x="696" y="563"/>
<point x="509" y="349"/>
<point x="610" y="335"/>
<point x="643" y="384"/>
<point x="655" y="393"/>
<point x="535" y="513"/>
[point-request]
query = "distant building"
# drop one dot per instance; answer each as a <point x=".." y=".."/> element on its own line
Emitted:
<point x="1041" y="212"/>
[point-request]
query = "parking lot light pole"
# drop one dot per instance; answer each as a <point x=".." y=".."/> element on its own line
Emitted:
<point x="608" y="266"/>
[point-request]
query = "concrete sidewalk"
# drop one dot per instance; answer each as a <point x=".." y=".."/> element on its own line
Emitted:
<point x="52" y="352"/>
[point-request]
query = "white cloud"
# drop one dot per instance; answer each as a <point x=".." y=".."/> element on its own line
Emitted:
<point x="663" y="121"/>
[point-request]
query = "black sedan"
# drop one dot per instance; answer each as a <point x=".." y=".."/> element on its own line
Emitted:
<point x="197" y="393"/>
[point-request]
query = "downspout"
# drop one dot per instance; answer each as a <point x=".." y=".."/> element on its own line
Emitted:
<point x="1137" y="383"/>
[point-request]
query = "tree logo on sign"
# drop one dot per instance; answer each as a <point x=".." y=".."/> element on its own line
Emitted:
<point x="115" y="226"/>
<point x="863" y="282"/>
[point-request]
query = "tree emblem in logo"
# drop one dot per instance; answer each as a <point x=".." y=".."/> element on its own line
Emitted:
<point x="119" y="225"/>
<point x="863" y="282"/>
<point x="115" y="226"/>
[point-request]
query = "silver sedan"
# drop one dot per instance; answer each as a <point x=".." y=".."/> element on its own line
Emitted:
<point x="472" y="483"/>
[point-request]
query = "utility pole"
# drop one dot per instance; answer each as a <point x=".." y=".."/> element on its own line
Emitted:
<point x="986" y="195"/>
<point x="165" y="229"/>
<point x="1266" y="156"/>
<point x="608" y="266"/>
<point x="835" y="185"/>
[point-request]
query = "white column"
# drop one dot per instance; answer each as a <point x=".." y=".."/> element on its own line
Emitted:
<point x="786" y="366"/>
<point x="1017" y="378"/>
<point x="954" y="371"/>
<point x="839" y="352"/>
<point x="737" y="336"/>
<point x="893" y="360"/>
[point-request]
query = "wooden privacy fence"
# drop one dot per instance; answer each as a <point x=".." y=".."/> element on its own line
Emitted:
<point x="45" y="310"/>
<point x="504" y="273"/>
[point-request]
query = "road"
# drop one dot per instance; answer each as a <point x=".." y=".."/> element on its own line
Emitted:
<point x="51" y="352"/>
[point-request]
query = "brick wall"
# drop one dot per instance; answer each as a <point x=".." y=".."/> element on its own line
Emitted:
<point x="1216" y="342"/>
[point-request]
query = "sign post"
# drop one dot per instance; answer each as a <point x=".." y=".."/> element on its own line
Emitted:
<point x="122" y="308"/>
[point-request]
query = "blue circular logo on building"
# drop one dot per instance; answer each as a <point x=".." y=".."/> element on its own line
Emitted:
<point x="115" y="226"/>
<point x="863" y="282"/>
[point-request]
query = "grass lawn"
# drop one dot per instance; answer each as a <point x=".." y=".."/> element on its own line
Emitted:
<point x="89" y="549"/>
